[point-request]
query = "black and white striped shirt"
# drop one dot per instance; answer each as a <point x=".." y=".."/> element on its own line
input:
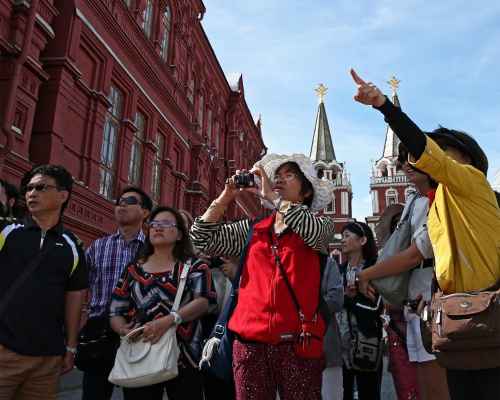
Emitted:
<point x="228" y="239"/>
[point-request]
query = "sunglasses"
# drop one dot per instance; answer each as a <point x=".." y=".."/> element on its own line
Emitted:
<point x="128" y="201"/>
<point x="162" y="224"/>
<point x="40" y="187"/>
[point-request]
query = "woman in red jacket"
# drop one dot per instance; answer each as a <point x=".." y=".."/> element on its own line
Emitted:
<point x="284" y="246"/>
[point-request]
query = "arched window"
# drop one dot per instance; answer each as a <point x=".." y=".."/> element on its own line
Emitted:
<point x="147" y="18"/>
<point x="201" y="108"/>
<point x="157" y="175"/>
<point x="166" y="22"/>
<point x="330" y="208"/>
<point x="375" y="202"/>
<point x="109" y="143"/>
<point x="391" y="197"/>
<point x="136" y="153"/>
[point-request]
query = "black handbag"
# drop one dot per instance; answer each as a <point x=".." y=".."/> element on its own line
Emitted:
<point x="97" y="345"/>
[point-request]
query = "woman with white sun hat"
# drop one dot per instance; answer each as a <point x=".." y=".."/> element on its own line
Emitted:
<point x="277" y="323"/>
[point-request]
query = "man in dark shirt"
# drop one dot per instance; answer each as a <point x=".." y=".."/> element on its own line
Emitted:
<point x="45" y="264"/>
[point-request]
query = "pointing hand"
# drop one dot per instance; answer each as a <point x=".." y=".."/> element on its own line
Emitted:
<point x="367" y="93"/>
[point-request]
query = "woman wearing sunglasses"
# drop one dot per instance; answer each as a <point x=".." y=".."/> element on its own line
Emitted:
<point x="145" y="294"/>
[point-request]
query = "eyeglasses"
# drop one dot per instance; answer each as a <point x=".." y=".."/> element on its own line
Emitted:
<point x="284" y="178"/>
<point x="40" y="187"/>
<point x="162" y="224"/>
<point x="128" y="201"/>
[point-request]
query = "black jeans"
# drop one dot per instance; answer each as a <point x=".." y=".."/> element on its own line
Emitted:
<point x="217" y="389"/>
<point x="95" y="385"/>
<point x="483" y="384"/>
<point x="187" y="385"/>
<point x="368" y="384"/>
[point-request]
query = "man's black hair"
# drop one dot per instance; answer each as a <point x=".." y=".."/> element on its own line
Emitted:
<point x="146" y="201"/>
<point x="64" y="180"/>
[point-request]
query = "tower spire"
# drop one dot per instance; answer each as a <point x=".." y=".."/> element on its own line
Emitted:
<point x="322" y="145"/>
<point x="391" y="140"/>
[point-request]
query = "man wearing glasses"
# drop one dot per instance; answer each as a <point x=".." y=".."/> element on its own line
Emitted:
<point x="106" y="259"/>
<point x="43" y="278"/>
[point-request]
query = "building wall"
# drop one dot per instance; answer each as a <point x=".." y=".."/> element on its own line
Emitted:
<point x="80" y="51"/>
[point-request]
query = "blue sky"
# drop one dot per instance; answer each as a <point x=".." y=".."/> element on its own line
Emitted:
<point x="446" y="54"/>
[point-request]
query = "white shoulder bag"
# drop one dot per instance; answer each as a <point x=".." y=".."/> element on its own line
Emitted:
<point x="139" y="363"/>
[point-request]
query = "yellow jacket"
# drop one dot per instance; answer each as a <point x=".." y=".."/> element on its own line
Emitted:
<point x="463" y="223"/>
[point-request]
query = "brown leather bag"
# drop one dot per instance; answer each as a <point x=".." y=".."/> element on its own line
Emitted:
<point x="465" y="329"/>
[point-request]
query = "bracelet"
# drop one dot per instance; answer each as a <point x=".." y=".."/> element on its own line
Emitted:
<point x="177" y="318"/>
<point x="71" y="350"/>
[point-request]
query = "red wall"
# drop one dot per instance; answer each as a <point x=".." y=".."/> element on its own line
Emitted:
<point x="78" y="51"/>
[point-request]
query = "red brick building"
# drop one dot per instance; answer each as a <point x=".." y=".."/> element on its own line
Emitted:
<point x="121" y="92"/>
<point x="389" y="184"/>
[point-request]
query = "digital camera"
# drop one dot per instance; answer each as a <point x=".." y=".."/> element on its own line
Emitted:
<point x="244" y="180"/>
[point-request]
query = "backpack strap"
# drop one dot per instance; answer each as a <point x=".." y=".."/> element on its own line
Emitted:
<point x="227" y="312"/>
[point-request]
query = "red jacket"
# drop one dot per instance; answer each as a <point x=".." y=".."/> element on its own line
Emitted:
<point x="265" y="309"/>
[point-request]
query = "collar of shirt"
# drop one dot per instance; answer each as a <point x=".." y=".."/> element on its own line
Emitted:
<point x="30" y="223"/>
<point x="141" y="237"/>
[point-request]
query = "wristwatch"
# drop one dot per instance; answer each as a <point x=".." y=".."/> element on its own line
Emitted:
<point x="177" y="318"/>
<point x="71" y="350"/>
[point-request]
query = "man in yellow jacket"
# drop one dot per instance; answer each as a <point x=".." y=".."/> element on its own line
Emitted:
<point x="463" y="221"/>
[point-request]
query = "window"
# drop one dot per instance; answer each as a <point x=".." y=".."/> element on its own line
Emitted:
<point x="190" y="87"/>
<point x="147" y="18"/>
<point x="165" y="32"/>
<point x="345" y="203"/>
<point x="209" y="126"/>
<point x="156" y="180"/>
<point x="216" y="135"/>
<point x="375" y="201"/>
<point x="200" y="114"/>
<point x="135" y="166"/>
<point x="391" y="197"/>
<point x="330" y="208"/>
<point x="110" y="138"/>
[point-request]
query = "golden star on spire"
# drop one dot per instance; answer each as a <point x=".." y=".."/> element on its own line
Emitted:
<point x="321" y="92"/>
<point x="394" y="83"/>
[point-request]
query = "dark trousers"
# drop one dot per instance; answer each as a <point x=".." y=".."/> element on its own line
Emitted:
<point x="95" y="385"/>
<point x="368" y="384"/>
<point x="483" y="384"/>
<point x="217" y="389"/>
<point x="187" y="385"/>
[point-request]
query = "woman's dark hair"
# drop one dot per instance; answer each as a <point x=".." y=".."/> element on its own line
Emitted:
<point x="63" y="178"/>
<point x="369" y="249"/>
<point x="146" y="202"/>
<point x="305" y="185"/>
<point x="183" y="248"/>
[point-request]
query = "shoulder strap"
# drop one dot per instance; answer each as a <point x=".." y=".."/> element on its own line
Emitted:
<point x="220" y="326"/>
<point x="239" y="271"/>
<point x="182" y="283"/>
<point x="409" y="210"/>
<point x="33" y="264"/>
<point x="274" y="248"/>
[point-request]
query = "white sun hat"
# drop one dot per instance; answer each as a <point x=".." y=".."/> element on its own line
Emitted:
<point x="323" y="188"/>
